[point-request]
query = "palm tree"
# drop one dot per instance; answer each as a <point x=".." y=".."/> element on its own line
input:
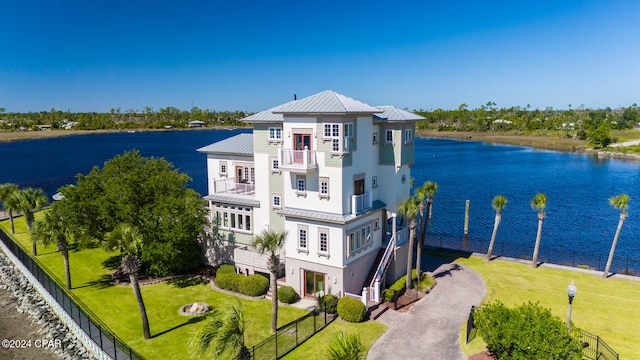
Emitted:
<point x="128" y="240"/>
<point x="345" y="347"/>
<point x="8" y="200"/>
<point x="224" y="333"/>
<point x="271" y="241"/>
<point x="498" y="203"/>
<point x="409" y="209"/>
<point x="618" y="202"/>
<point x="423" y="193"/>
<point x="28" y="201"/>
<point x="539" y="202"/>
<point x="54" y="229"/>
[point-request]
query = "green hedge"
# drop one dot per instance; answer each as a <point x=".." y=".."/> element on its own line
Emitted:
<point x="254" y="285"/>
<point x="399" y="285"/>
<point x="225" y="268"/>
<point x="352" y="310"/>
<point x="328" y="303"/>
<point x="287" y="295"/>
<point x="229" y="280"/>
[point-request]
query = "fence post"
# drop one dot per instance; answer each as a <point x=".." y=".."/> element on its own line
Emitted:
<point x="364" y="297"/>
<point x="325" y="313"/>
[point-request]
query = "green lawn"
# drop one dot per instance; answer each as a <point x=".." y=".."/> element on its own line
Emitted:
<point x="607" y="308"/>
<point x="116" y="306"/>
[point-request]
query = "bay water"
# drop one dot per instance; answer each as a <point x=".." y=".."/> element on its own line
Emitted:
<point x="579" y="217"/>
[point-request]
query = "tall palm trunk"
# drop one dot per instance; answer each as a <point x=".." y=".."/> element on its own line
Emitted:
<point x="13" y="227"/>
<point x="274" y="264"/>
<point x="67" y="272"/>
<point x="623" y="216"/>
<point x="412" y="231"/>
<point x="496" y="223"/>
<point x="536" y="249"/>
<point x="133" y="277"/>
<point x="34" y="248"/>
<point x="422" y="223"/>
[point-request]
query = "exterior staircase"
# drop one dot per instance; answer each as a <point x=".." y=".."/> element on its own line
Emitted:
<point x="374" y="267"/>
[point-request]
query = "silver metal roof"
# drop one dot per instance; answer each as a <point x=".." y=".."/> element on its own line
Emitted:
<point x="328" y="217"/>
<point x="266" y="116"/>
<point x="392" y="113"/>
<point x="241" y="144"/>
<point x="232" y="200"/>
<point x="327" y="102"/>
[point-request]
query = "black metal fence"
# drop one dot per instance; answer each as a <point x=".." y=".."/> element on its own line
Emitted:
<point x="77" y="310"/>
<point x="290" y="336"/>
<point x="593" y="347"/>
<point x="574" y="258"/>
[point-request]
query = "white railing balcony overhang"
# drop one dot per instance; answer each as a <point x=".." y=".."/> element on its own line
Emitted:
<point x="302" y="161"/>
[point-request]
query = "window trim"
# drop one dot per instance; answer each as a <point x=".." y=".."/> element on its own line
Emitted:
<point x="276" y="131"/>
<point x="322" y="180"/>
<point x="337" y="134"/>
<point x="325" y="253"/>
<point x="302" y="192"/>
<point x="277" y="169"/>
<point x="386" y="136"/>
<point x="304" y="249"/>
<point x="273" y="201"/>
<point x="408" y="139"/>
<point x="355" y="242"/>
<point x="226" y="168"/>
<point x="229" y="214"/>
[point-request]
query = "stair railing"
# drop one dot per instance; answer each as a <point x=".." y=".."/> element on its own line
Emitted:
<point x="374" y="293"/>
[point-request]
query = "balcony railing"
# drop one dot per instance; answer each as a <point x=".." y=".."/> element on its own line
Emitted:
<point x="297" y="160"/>
<point x="232" y="188"/>
<point x="359" y="203"/>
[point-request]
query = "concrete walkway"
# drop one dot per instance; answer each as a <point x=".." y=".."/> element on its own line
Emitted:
<point x="431" y="328"/>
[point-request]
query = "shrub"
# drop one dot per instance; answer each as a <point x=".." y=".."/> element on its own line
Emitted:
<point x="229" y="280"/>
<point x="226" y="268"/>
<point x="254" y="285"/>
<point x="526" y="332"/>
<point x="351" y="309"/>
<point x="287" y="295"/>
<point x="328" y="303"/>
<point x="345" y="346"/>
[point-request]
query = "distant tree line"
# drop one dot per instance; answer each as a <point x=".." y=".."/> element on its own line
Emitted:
<point x="579" y="123"/>
<point x="117" y="119"/>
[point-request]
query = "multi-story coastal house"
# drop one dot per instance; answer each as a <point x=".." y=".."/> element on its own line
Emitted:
<point x="327" y="169"/>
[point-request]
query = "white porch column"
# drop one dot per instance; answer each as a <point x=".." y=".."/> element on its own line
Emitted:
<point x="363" y="298"/>
<point x="376" y="291"/>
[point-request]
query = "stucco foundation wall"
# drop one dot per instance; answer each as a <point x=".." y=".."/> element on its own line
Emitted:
<point x="294" y="273"/>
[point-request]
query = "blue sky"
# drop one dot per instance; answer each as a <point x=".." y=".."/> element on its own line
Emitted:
<point x="92" y="55"/>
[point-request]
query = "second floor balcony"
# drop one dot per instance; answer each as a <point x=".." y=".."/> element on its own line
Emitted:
<point x="361" y="202"/>
<point x="231" y="187"/>
<point x="300" y="161"/>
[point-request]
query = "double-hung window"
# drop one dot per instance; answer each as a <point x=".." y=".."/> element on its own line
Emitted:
<point x="233" y="218"/>
<point x="408" y="135"/>
<point x="359" y="238"/>
<point x="388" y="136"/>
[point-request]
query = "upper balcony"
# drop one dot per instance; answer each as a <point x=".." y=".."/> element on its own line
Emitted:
<point x="360" y="203"/>
<point x="299" y="161"/>
<point x="230" y="187"/>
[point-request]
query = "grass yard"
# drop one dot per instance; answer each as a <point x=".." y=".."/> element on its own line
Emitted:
<point x="607" y="308"/>
<point x="116" y="306"/>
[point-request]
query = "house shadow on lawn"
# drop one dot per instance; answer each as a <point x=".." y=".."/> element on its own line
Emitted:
<point x="186" y="282"/>
<point x="193" y="320"/>
<point x="103" y="282"/>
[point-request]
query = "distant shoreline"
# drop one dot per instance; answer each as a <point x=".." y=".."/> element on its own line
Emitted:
<point x="7" y="136"/>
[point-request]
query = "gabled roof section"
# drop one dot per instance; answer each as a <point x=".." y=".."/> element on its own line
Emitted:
<point x="392" y="113"/>
<point x="327" y="102"/>
<point x="241" y="144"/>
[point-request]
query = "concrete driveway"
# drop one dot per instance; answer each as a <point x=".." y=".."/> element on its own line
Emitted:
<point x="431" y="328"/>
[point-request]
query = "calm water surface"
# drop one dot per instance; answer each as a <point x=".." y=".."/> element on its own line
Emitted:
<point x="577" y="185"/>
